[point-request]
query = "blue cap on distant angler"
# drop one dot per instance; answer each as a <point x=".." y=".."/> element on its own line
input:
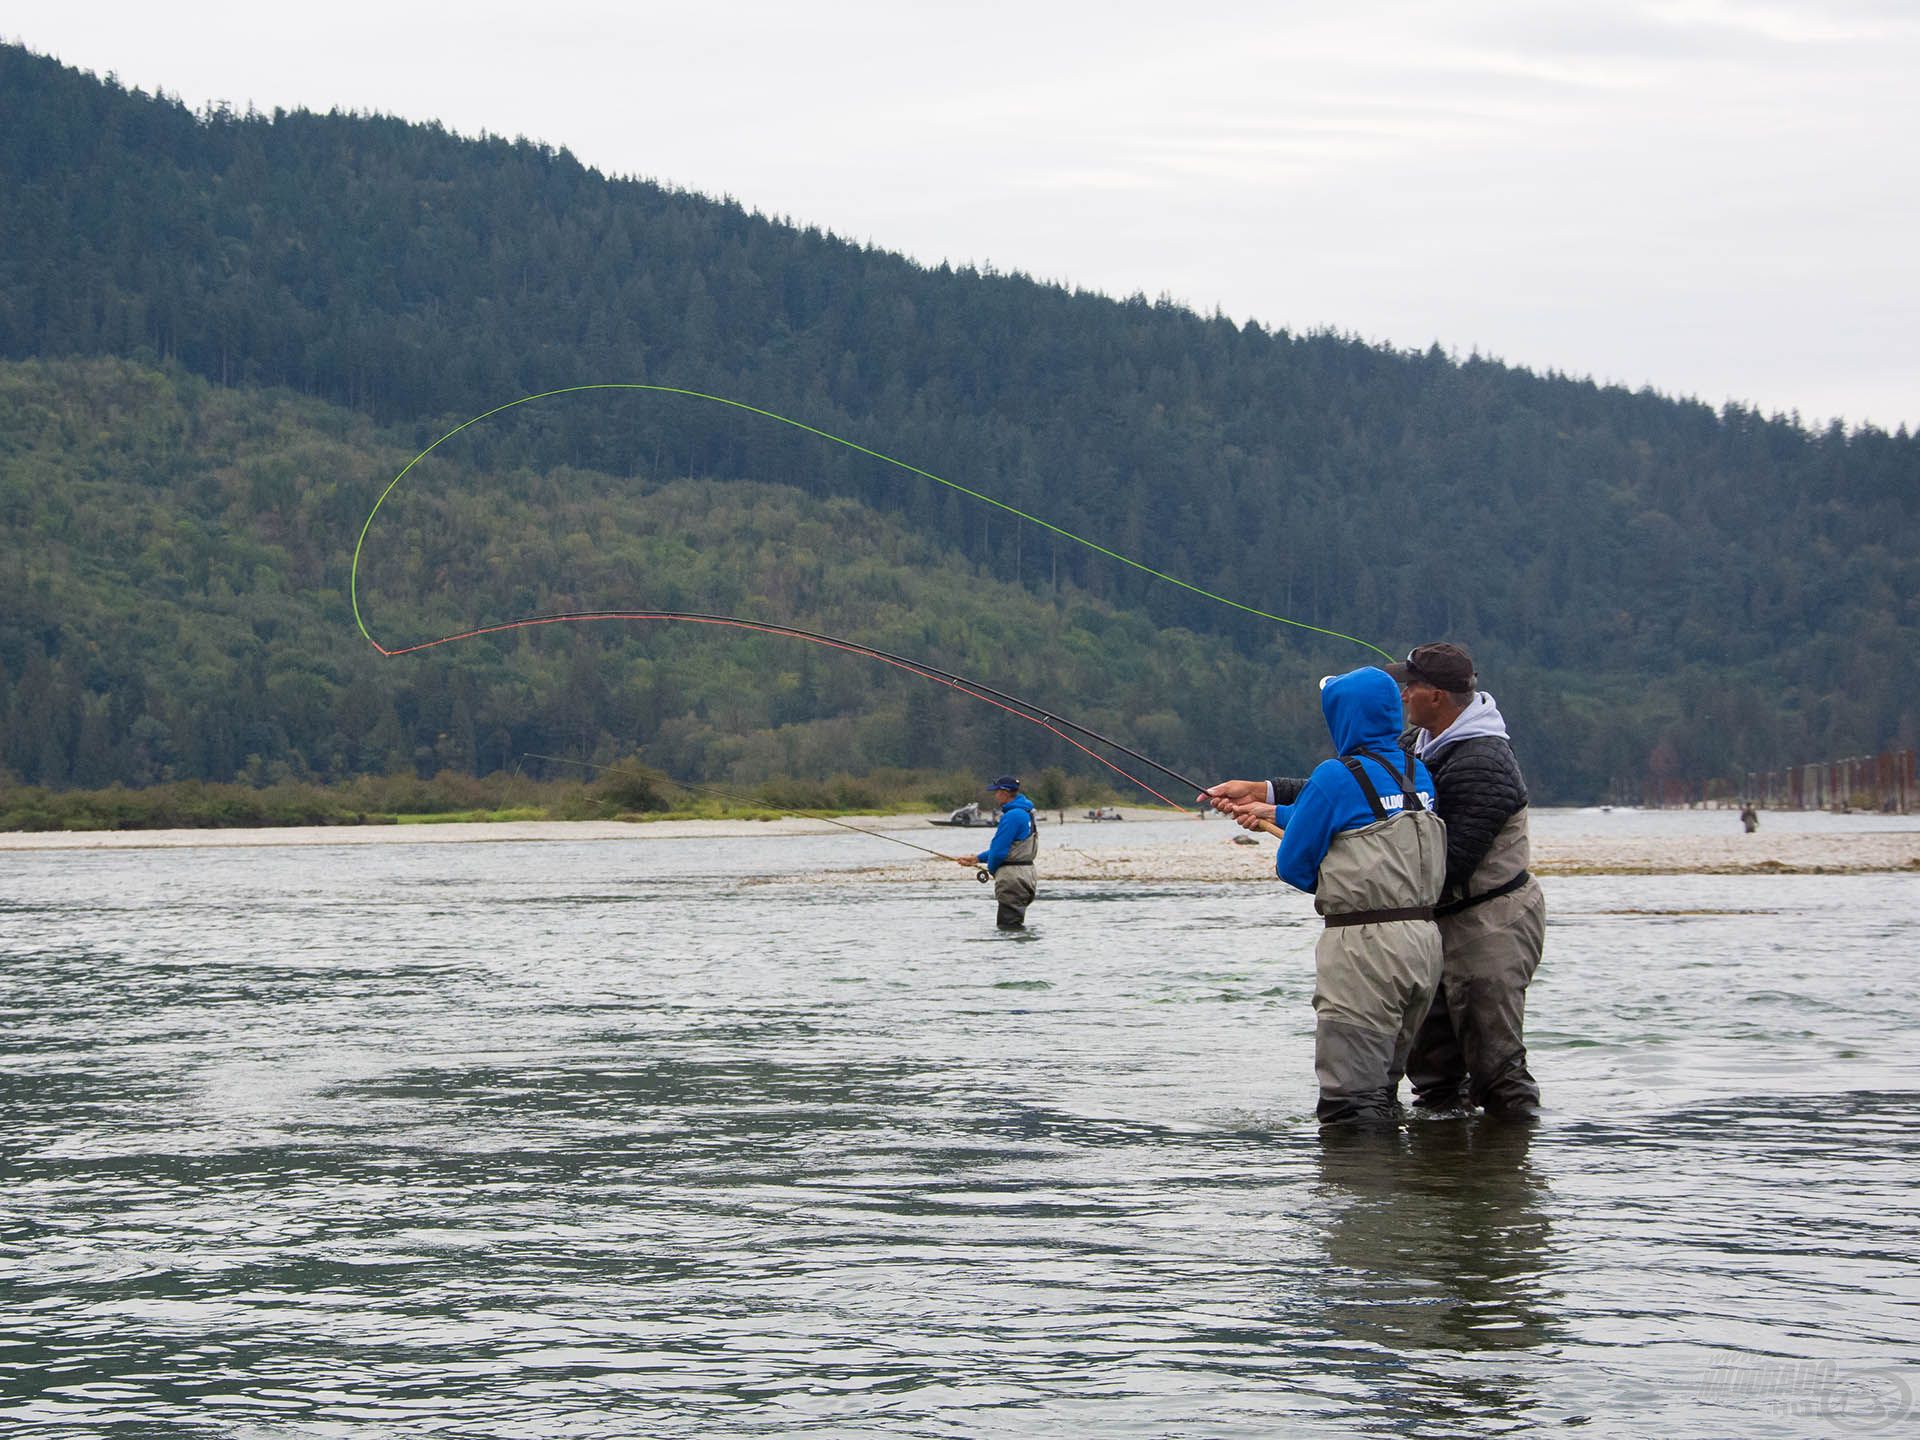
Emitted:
<point x="1005" y="782"/>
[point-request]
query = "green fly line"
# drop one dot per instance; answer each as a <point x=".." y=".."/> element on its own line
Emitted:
<point x="353" y="584"/>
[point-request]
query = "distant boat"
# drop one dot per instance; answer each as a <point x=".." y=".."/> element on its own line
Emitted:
<point x="967" y="817"/>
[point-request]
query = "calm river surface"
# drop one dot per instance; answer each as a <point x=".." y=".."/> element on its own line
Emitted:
<point x="616" y="1138"/>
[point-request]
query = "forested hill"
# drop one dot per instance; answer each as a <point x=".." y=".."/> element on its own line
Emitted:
<point x="1650" y="584"/>
<point x="178" y="608"/>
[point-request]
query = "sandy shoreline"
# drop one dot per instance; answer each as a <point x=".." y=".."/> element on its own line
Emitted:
<point x="1223" y="862"/>
<point x="1209" y="856"/>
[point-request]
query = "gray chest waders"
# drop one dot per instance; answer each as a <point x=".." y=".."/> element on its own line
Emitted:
<point x="1410" y="804"/>
<point x="1014" y="882"/>
<point x="1377" y="962"/>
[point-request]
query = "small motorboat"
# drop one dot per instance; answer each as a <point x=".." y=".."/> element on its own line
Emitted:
<point x="968" y="816"/>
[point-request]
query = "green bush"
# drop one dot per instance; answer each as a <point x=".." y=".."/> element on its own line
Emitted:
<point x="631" y="787"/>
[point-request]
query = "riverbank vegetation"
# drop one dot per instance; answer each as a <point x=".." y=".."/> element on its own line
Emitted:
<point x="631" y="792"/>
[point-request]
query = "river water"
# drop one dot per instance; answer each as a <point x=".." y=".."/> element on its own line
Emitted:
<point x="669" y="1137"/>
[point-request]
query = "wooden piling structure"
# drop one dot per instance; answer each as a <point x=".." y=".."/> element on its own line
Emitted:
<point x="1886" y="783"/>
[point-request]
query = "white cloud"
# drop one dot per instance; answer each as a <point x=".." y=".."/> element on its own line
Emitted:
<point x="1714" y="196"/>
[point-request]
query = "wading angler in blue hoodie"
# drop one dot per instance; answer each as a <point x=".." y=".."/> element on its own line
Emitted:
<point x="1009" y="857"/>
<point x="1363" y="840"/>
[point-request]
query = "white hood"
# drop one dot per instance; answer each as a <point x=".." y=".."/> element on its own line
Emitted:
<point x="1481" y="717"/>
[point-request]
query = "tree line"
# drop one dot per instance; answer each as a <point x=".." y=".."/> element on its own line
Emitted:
<point x="1651" y="585"/>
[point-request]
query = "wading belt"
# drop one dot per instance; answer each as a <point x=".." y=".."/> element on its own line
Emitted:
<point x="1380" y="917"/>
<point x="1410" y="801"/>
<point x="1454" y="907"/>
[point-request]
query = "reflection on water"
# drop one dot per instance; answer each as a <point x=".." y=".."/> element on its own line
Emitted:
<point x="605" y="1140"/>
<point x="1435" y="1247"/>
<point x="1437" y="1240"/>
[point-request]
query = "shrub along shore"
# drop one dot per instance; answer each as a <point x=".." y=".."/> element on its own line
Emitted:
<point x="629" y="792"/>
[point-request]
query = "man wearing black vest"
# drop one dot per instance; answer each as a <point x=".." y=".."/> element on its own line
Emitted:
<point x="1492" y="915"/>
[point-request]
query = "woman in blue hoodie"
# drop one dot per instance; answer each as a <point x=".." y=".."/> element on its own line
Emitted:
<point x="1362" y="839"/>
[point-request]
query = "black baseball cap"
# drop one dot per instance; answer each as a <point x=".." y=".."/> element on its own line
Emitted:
<point x="1443" y="666"/>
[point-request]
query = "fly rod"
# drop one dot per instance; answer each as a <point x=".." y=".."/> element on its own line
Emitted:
<point x="743" y="800"/>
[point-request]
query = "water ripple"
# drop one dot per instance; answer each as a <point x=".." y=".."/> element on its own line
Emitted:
<point x="513" y="1142"/>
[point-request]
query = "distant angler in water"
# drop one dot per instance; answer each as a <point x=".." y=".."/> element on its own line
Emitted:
<point x="1009" y="858"/>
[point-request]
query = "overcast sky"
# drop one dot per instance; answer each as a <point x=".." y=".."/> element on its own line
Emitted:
<point x="1717" y="198"/>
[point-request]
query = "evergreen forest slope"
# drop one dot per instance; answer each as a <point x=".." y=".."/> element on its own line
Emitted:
<point x="179" y="609"/>
<point x="228" y="331"/>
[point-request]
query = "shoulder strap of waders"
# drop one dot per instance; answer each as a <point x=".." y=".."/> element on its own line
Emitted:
<point x="1407" y="792"/>
<point x="1359" y="773"/>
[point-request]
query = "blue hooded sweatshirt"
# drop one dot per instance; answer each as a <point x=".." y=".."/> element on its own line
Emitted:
<point x="1363" y="710"/>
<point x="1016" y="823"/>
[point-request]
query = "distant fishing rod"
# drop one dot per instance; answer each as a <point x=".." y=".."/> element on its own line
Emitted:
<point x="1027" y="710"/>
<point x="746" y="800"/>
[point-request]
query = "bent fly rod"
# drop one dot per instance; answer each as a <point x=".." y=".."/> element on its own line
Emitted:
<point x="750" y="801"/>
<point x="1026" y="710"/>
